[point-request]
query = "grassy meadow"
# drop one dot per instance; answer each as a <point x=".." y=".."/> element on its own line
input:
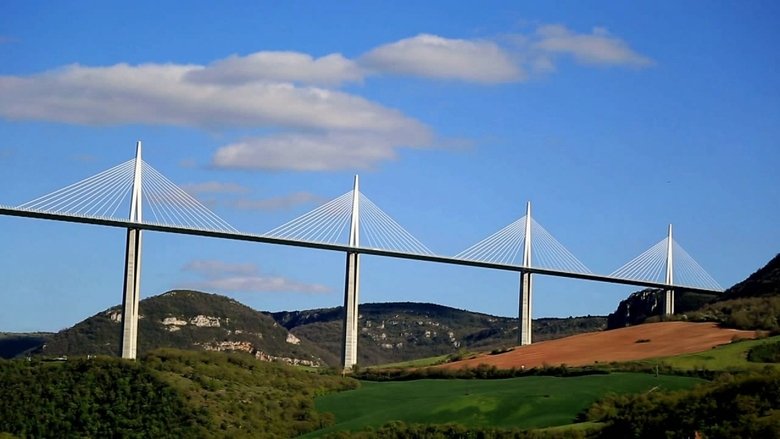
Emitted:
<point x="732" y="356"/>
<point x="527" y="402"/>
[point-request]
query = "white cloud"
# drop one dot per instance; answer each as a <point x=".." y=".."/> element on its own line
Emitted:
<point x="213" y="268"/>
<point x="598" y="47"/>
<point x="437" y="57"/>
<point x="259" y="284"/>
<point x="226" y="277"/>
<point x="297" y="67"/>
<point x="277" y="203"/>
<point x="315" y="151"/>
<point x="315" y="126"/>
<point x="160" y="94"/>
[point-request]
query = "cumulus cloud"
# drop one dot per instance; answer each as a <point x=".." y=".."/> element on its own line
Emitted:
<point x="437" y="57"/>
<point x="214" y="268"/>
<point x="315" y="151"/>
<point x="228" y="277"/>
<point x="297" y="67"/>
<point x="160" y="94"/>
<point x="295" y="96"/>
<point x="597" y="47"/>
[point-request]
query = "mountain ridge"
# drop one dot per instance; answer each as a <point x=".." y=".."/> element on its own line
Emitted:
<point x="390" y="332"/>
<point x="186" y="319"/>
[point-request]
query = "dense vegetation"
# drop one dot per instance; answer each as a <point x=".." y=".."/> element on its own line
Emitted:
<point x="764" y="282"/>
<point x="481" y="372"/>
<point x="16" y="344"/>
<point x="168" y="393"/>
<point x="751" y="304"/>
<point x="90" y="398"/>
<point x="401" y="430"/>
<point x="765" y="353"/>
<point x="747" y="405"/>
<point x="759" y="313"/>
<point x="243" y="396"/>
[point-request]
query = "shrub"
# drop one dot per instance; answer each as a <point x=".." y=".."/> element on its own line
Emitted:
<point x="765" y="353"/>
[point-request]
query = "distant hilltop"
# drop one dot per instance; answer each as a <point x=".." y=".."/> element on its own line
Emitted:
<point x="389" y="332"/>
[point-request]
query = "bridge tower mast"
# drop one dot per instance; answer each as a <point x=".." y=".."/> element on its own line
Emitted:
<point x="526" y="286"/>
<point x="352" y="285"/>
<point x="130" y="300"/>
<point x="669" y="293"/>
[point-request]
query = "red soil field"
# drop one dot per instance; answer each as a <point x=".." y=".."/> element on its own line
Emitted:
<point x="665" y="339"/>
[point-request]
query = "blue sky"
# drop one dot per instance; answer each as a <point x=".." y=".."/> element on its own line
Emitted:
<point x="614" y="118"/>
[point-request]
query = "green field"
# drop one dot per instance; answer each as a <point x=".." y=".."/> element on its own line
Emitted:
<point x="732" y="356"/>
<point x="420" y="362"/>
<point x="528" y="402"/>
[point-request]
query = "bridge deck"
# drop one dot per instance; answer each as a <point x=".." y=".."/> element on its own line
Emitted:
<point x="239" y="236"/>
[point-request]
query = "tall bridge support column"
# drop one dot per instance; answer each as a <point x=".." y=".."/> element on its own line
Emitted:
<point x="131" y="297"/>
<point x="524" y="336"/>
<point x="132" y="290"/>
<point x="352" y="287"/>
<point x="669" y="293"/>
<point x="668" y="302"/>
<point x="524" y="326"/>
<point x="351" y="295"/>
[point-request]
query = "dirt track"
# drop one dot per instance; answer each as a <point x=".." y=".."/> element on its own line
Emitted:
<point x="665" y="339"/>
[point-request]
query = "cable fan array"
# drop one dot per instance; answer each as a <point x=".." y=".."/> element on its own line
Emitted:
<point x="504" y="246"/>
<point x="329" y="224"/>
<point x="651" y="266"/>
<point x="97" y="196"/>
<point x="105" y="194"/>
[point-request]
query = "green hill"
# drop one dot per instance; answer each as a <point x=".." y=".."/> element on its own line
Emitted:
<point x="395" y="332"/>
<point x="187" y="320"/>
<point x="764" y="282"/>
<point x="751" y="304"/>
<point x="390" y="332"/>
<point x="167" y="393"/>
<point x="17" y="344"/>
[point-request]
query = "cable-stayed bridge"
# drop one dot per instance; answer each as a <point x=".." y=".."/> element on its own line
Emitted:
<point x="350" y="223"/>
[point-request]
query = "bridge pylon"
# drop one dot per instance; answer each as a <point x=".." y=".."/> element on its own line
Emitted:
<point x="352" y="286"/>
<point x="524" y="329"/>
<point x="669" y="292"/>
<point x="132" y="288"/>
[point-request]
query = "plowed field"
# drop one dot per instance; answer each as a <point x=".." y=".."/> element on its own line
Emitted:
<point x="625" y="344"/>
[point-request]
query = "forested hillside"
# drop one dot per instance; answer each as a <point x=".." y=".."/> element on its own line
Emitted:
<point x="393" y="332"/>
<point x="187" y="320"/>
<point x="16" y="344"/>
<point x="167" y="393"/>
<point x="751" y="304"/>
<point x="764" y="282"/>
